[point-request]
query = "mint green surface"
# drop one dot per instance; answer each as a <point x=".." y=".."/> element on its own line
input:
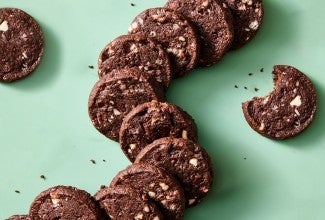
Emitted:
<point x="45" y="128"/>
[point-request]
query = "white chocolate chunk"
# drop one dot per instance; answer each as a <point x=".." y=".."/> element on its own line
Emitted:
<point x="262" y="126"/>
<point x="4" y="26"/>
<point x="164" y="186"/>
<point x="156" y="218"/>
<point x="193" y="161"/>
<point x="296" y="101"/>
<point x="152" y="194"/>
<point x="205" y="3"/>
<point x="297" y="112"/>
<point x="184" y="134"/>
<point x="181" y="38"/>
<point x="191" y="201"/>
<point x="146" y="209"/>
<point x="116" y="112"/>
<point x="133" y="146"/>
<point x="254" y="25"/>
<point x="138" y="216"/>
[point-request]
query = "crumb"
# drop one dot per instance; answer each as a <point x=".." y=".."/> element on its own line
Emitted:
<point x="132" y="4"/>
<point x="262" y="70"/>
<point x="102" y="187"/>
<point x="42" y="177"/>
<point x="250" y="74"/>
<point x="244" y="158"/>
<point x="17" y="191"/>
<point x="245" y="87"/>
<point x="236" y="86"/>
<point x="93" y="161"/>
<point x="91" y="67"/>
<point x="104" y="160"/>
<point x="256" y="89"/>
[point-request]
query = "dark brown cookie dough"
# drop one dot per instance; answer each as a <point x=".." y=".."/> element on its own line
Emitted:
<point x="123" y="202"/>
<point x="112" y="98"/>
<point x="151" y="121"/>
<point x="19" y="217"/>
<point x="139" y="51"/>
<point x="288" y="109"/>
<point x="157" y="184"/>
<point x="66" y="203"/>
<point x="185" y="160"/>
<point x="175" y="33"/>
<point x="247" y="20"/>
<point x="214" y="24"/>
<point x="21" y="44"/>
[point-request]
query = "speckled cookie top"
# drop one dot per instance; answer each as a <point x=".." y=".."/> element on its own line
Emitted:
<point x="247" y="20"/>
<point x="157" y="184"/>
<point x="66" y="203"/>
<point x="175" y="33"/>
<point x="21" y="44"/>
<point x="184" y="159"/>
<point x="112" y="98"/>
<point x="138" y="51"/>
<point x="151" y="121"/>
<point x="124" y="202"/>
<point x="288" y="109"/>
<point x="213" y="21"/>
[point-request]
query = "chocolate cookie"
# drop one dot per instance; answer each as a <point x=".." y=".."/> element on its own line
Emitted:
<point x="136" y="50"/>
<point x="123" y="202"/>
<point x="185" y="160"/>
<point x="66" y="203"/>
<point x="157" y="184"/>
<point x="247" y="20"/>
<point x="21" y="44"/>
<point x="19" y="217"/>
<point x="112" y="98"/>
<point x="288" y="109"/>
<point x="214" y="24"/>
<point x="151" y="121"/>
<point x="175" y="33"/>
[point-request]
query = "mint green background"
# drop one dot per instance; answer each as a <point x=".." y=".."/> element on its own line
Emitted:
<point x="45" y="128"/>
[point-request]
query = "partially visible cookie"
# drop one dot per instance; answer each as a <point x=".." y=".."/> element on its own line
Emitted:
<point x="19" y="217"/>
<point x="288" y="109"/>
<point x="112" y="98"/>
<point x="151" y="121"/>
<point x="21" y="44"/>
<point x="138" y="51"/>
<point x="123" y="202"/>
<point x="157" y="184"/>
<point x="65" y="203"/>
<point x="175" y="33"/>
<point x="213" y="21"/>
<point x="184" y="159"/>
<point x="247" y="20"/>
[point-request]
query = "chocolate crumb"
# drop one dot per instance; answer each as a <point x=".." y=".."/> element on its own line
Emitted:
<point x="262" y="70"/>
<point x="132" y="4"/>
<point x="256" y="89"/>
<point x="91" y="67"/>
<point x="104" y="160"/>
<point x="93" y="161"/>
<point x="236" y="86"/>
<point x="250" y="74"/>
<point x="42" y="177"/>
<point x="17" y="191"/>
<point x="245" y="87"/>
<point x="102" y="186"/>
<point x="244" y="158"/>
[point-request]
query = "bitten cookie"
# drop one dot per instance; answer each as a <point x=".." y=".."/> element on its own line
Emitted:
<point x="66" y="203"/>
<point x="151" y="121"/>
<point x="214" y="24"/>
<point x="157" y="184"/>
<point x="19" y="217"/>
<point x="123" y="202"/>
<point x="185" y="160"/>
<point x="247" y="20"/>
<point x="112" y="98"/>
<point x="288" y="109"/>
<point x="139" y="51"/>
<point x="21" y="44"/>
<point x="175" y="33"/>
